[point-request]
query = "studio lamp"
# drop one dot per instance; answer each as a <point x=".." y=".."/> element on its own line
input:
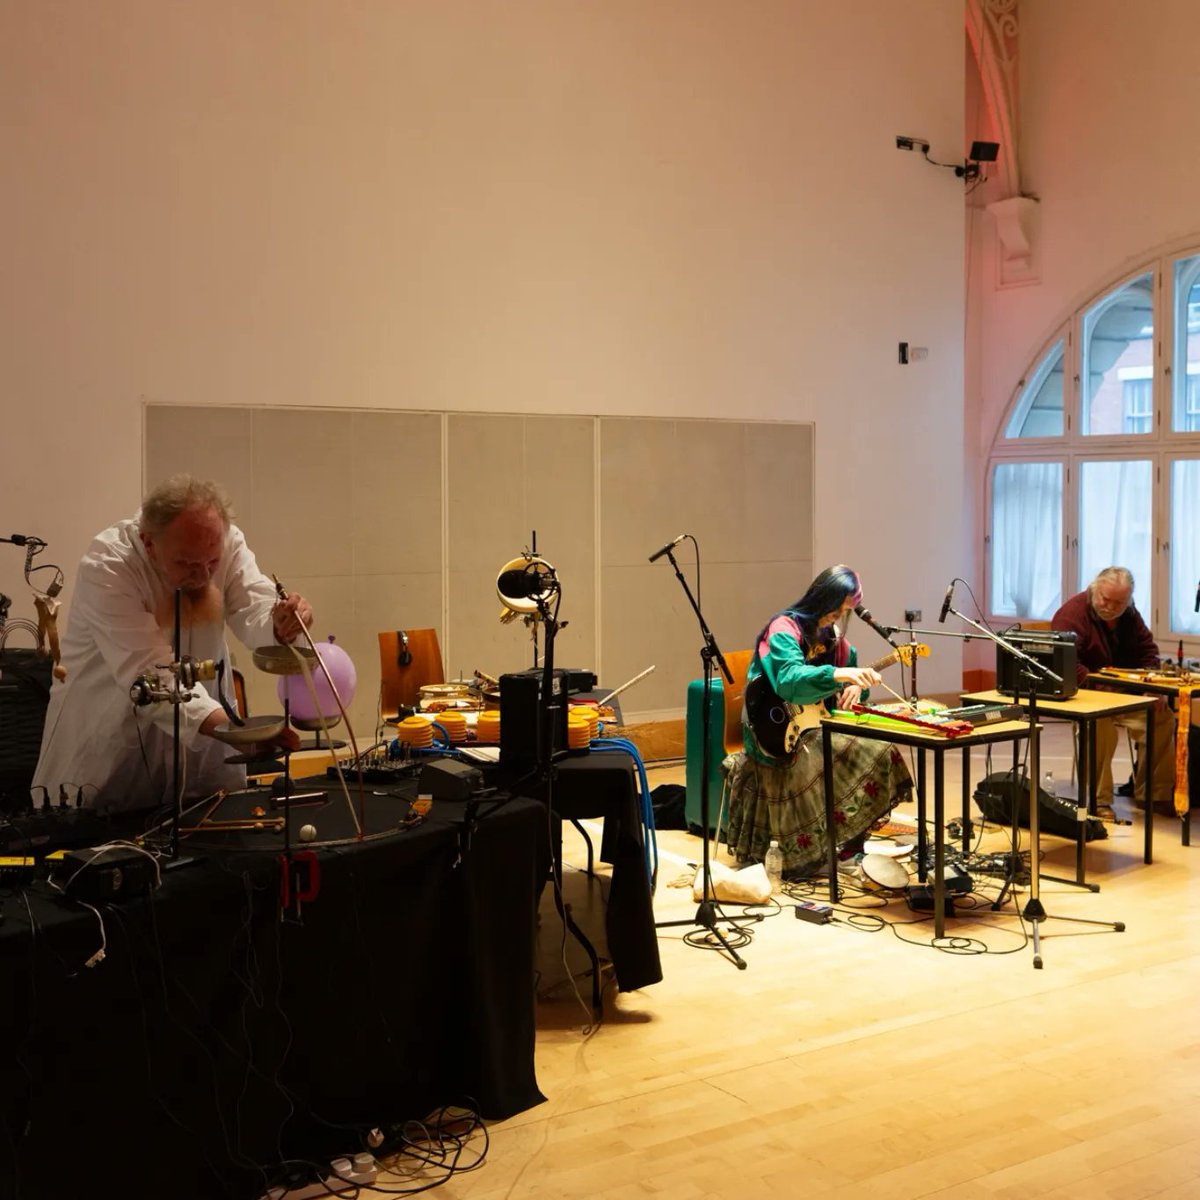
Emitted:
<point x="524" y="586"/>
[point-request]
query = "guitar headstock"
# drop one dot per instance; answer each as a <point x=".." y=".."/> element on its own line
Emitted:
<point x="911" y="650"/>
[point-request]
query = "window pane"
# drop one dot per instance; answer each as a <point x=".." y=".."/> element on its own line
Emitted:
<point x="1039" y="410"/>
<point x="1114" y="523"/>
<point x="1118" y="345"/>
<point x="1027" y="540"/>
<point x="1185" y="545"/>
<point x="1185" y="402"/>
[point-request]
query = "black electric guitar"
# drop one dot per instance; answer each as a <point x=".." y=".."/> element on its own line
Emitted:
<point x="778" y="723"/>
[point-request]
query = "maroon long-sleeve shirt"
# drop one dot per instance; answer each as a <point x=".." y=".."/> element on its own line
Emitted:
<point x="1130" y="644"/>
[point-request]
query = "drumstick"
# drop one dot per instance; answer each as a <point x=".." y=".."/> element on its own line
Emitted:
<point x="906" y="702"/>
<point x="623" y="686"/>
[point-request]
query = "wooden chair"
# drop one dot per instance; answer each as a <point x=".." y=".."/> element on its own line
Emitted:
<point x="408" y="659"/>
<point x="239" y="693"/>
<point x="734" y="694"/>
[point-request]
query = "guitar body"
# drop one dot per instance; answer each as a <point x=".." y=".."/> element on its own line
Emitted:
<point x="778" y="724"/>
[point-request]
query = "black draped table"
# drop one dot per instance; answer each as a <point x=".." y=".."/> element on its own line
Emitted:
<point x="215" y="1039"/>
<point x="603" y="784"/>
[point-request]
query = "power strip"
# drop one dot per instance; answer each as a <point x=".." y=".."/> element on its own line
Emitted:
<point x="348" y="1175"/>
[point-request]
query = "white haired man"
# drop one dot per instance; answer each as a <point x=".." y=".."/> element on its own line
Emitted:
<point x="96" y="744"/>
<point x="1109" y="632"/>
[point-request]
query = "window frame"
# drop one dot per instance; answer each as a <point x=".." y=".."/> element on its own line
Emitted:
<point x="1161" y="445"/>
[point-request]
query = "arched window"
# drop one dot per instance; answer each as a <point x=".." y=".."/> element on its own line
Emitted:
<point x="1097" y="462"/>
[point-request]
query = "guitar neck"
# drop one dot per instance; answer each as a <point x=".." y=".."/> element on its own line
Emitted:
<point x="885" y="661"/>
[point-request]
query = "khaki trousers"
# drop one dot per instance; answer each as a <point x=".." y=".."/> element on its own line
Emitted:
<point x="1162" y="778"/>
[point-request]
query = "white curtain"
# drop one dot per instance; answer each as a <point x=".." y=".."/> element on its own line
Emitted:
<point x="1185" y="545"/>
<point x="1027" y="540"/>
<point x="1115" y="507"/>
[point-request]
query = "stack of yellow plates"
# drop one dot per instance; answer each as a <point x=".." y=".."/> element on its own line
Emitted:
<point x="592" y="713"/>
<point x="487" y="727"/>
<point x="415" y="731"/>
<point x="455" y="725"/>
<point x="579" y="732"/>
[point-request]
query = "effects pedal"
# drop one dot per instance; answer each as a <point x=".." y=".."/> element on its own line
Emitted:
<point x="813" y="912"/>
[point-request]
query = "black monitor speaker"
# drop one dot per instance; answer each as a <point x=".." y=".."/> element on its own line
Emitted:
<point x="1051" y="648"/>
<point x="522" y="702"/>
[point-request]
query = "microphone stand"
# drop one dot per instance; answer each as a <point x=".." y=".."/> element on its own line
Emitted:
<point x="912" y="641"/>
<point x="1034" y="912"/>
<point x="177" y="806"/>
<point x="708" y="912"/>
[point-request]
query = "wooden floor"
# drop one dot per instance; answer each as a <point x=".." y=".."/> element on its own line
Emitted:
<point x="847" y="1062"/>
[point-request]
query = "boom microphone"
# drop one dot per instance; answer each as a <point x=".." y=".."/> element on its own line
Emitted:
<point x="864" y="614"/>
<point x="946" y="603"/>
<point x="667" y="548"/>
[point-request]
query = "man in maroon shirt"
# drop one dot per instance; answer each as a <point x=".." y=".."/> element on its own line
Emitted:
<point x="1109" y="632"/>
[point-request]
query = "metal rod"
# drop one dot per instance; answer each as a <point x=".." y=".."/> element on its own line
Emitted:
<point x="623" y="686"/>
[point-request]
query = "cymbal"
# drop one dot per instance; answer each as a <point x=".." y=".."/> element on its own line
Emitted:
<point x="254" y="729"/>
<point x="267" y="761"/>
<point x="284" y="660"/>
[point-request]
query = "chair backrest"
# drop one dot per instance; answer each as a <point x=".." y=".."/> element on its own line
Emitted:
<point x="239" y="693"/>
<point x="408" y="659"/>
<point x="738" y="663"/>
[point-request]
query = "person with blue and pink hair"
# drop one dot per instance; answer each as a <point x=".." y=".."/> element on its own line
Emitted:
<point x="803" y="661"/>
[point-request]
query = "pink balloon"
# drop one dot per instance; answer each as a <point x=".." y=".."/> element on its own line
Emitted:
<point x="294" y="688"/>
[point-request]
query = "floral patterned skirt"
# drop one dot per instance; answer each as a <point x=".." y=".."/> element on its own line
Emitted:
<point x="787" y="801"/>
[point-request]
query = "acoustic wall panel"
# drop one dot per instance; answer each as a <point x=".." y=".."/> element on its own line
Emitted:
<point x="743" y="491"/>
<point x="509" y="476"/>
<point x="397" y="519"/>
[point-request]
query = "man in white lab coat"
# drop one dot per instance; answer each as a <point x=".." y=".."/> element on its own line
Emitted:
<point x="98" y="746"/>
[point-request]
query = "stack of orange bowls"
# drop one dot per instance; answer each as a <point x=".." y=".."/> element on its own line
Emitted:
<point x="487" y="726"/>
<point x="415" y="731"/>
<point x="455" y="725"/>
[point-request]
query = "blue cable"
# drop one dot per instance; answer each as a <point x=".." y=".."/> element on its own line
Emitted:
<point x="650" y="846"/>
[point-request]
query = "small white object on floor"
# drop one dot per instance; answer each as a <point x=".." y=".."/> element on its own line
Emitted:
<point x="750" y="885"/>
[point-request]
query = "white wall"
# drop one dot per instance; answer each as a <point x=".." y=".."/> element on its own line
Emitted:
<point x="1108" y="90"/>
<point x="647" y="207"/>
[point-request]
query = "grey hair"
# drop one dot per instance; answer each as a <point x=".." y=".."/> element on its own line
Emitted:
<point x="180" y="494"/>
<point x="1118" y="575"/>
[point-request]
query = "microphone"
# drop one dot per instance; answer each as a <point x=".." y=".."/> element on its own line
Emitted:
<point x="864" y="614"/>
<point x="1197" y="608"/>
<point x="667" y="548"/>
<point x="946" y="603"/>
<point x="522" y="584"/>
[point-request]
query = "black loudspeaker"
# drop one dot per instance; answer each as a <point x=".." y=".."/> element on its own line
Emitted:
<point x="521" y="705"/>
<point x="1050" y="647"/>
<point x="25" y="678"/>
<point x="1056" y="815"/>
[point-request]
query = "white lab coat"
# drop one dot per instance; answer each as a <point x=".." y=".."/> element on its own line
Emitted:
<point x="95" y="739"/>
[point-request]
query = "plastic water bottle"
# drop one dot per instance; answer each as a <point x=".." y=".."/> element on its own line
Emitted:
<point x="773" y="861"/>
<point x="1048" y="784"/>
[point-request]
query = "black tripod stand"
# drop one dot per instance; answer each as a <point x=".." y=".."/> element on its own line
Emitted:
<point x="708" y="913"/>
<point x="1032" y="673"/>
